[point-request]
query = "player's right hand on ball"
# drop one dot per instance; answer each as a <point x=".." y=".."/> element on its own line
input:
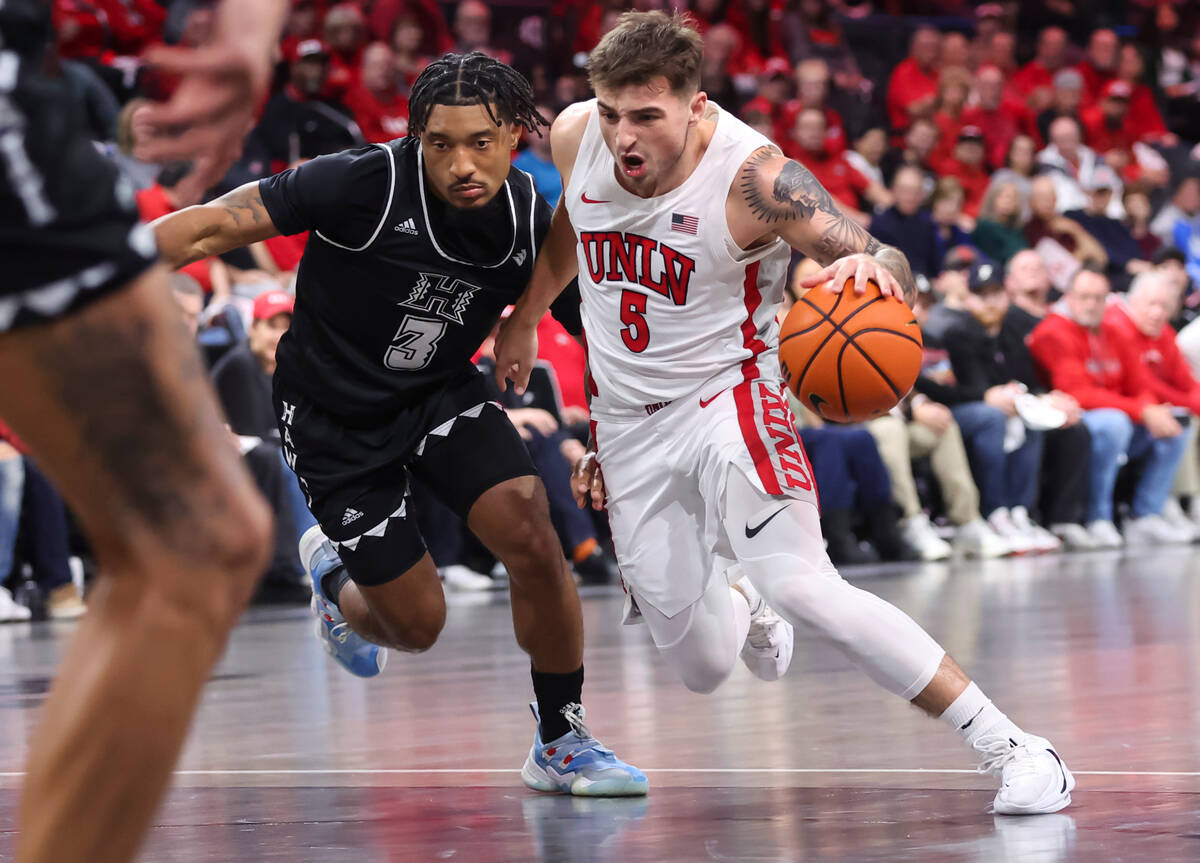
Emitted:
<point x="516" y="352"/>
<point x="587" y="482"/>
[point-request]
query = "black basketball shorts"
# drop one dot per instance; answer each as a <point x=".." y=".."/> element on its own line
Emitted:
<point x="457" y="441"/>
<point x="69" y="229"/>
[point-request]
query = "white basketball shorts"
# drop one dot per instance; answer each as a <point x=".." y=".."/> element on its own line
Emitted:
<point x="665" y="475"/>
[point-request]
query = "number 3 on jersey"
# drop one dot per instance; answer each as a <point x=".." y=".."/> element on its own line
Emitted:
<point x="636" y="334"/>
<point x="414" y="344"/>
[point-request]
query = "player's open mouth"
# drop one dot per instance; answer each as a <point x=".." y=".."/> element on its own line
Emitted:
<point x="634" y="166"/>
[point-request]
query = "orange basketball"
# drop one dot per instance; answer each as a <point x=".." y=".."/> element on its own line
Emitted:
<point x="849" y="358"/>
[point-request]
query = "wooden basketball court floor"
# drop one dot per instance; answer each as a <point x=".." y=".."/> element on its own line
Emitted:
<point x="292" y="759"/>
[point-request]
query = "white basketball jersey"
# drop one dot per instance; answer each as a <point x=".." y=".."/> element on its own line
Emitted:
<point x="669" y="300"/>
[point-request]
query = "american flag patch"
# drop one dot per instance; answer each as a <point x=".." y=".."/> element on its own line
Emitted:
<point x="684" y="224"/>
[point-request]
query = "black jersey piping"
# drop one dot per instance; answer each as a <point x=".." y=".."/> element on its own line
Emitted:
<point x="512" y="210"/>
<point x="387" y="208"/>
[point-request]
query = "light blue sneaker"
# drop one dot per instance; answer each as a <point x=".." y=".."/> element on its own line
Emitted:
<point x="577" y="764"/>
<point x="353" y="652"/>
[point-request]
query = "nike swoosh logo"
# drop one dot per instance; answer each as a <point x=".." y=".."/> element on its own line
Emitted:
<point x="588" y="200"/>
<point x="752" y="532"/>
<point x="706" y="402"/>
<point x="1062" y="790"/>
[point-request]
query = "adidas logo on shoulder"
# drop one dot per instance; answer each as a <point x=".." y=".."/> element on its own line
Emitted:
<point x="350" y="515"/>
<point x="519" y="257"/>
<point x="408" y="226"/>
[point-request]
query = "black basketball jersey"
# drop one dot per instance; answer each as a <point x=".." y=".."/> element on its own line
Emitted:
<point x="388" y="305"/>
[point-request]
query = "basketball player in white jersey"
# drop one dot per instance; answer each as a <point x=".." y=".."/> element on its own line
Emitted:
<point x="679" y="221"/>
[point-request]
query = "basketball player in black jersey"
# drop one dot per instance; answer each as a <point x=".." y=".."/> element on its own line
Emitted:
<point x="415" y="248"/>
<point x="105" y="386"/>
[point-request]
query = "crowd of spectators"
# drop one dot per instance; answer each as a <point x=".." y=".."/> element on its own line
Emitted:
<point x="1037" y="162"/>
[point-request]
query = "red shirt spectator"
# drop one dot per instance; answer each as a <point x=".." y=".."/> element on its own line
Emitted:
<point x="345" y="31"/>
<point x="812" y="85"/>
<point x="1088" y="365"/>
<point x="912" y="88"/>
<point x="772" y="98"/>
<point x="1100" y="65"/>
<point x="1106" y="124"/>
<point x="1143" y="109"/>
<point x="967" y="166"/>
<point x="1035" y="79"/>
<point x="1169" y="376"/>
<point x="999" y="116"/>
<point x="379" y="109"/>
<point x="387" y="15"/>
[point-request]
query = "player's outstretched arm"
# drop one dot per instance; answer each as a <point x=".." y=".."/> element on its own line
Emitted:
<point x="775" y="195"/>
<point x="236" y="219"/>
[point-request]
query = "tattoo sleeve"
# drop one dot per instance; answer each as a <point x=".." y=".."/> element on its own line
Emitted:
<point x="790" y="193"/>
<point x="238" y="218"/>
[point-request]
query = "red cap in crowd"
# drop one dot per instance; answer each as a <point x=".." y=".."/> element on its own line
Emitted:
<point x="777" y="66"/>
<point x="271" y="303"/>
<point x="311" y="48"/>
<point x="1117" y="89"/>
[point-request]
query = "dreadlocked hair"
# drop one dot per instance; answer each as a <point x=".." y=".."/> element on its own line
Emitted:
<point x="473" y="79"/>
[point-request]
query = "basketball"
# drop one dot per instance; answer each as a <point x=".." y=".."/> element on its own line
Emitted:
<point x="849" y="358"/>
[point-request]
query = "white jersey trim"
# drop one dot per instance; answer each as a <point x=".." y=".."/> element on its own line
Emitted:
<point x="387" y="207"/>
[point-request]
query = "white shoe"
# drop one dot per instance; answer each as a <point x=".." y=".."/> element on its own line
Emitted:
<point x="919" y="533"/>
<point x="1019" y="541"/>
<point x="977" y="539"/>
<point x="1043" y="540"/>
<point x="1074" y="536"/>
<point x="1174" y="515"/>
<point x="768" y="648"/>
<point x="1033" y="778"/>
<point x="459" y="577"/>
<point x="12" y="611"/>
<point x="1153" y="530"/>
<point x="1105" y="534"/>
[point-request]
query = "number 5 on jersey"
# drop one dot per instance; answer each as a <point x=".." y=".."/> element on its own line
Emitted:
<point x="414" y="344"/>
<point x="636" y="334"/>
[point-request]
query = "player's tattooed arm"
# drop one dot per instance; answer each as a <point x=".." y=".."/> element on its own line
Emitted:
<point x="785" y="198"/>
<point x="236" y="219"/>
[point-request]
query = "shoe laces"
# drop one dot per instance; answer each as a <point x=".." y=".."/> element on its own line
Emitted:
<point x="762" y="628"/>
<point x="1002" y="753"/>
<point x="339" y="632"/>
<point x="574" y="714"/>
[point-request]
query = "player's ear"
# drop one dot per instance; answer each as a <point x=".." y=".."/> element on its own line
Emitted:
<point x="514" y="133"/>
<point x="696" y="107"/>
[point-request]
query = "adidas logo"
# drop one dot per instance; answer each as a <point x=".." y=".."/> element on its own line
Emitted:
<point x="408" y="226"/>
<point x="519" y="257"/>
<point x="350" y="515"/>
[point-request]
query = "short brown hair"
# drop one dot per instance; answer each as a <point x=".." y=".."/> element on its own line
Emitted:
<point x="645" y="45"/>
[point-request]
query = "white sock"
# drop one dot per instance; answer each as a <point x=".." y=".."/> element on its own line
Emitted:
<point x="973" y="716"/>
<point x="753" y="597"/>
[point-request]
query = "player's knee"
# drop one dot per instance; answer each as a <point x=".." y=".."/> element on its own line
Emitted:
<point x="530" y="540"/>
<point x="420" y="627"/>
<point x="244" y="540"/>
<point x="701" y="667"/>
<point x="703" y="674"/>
